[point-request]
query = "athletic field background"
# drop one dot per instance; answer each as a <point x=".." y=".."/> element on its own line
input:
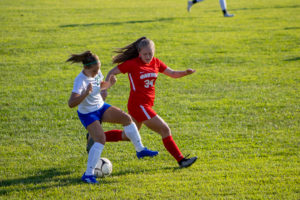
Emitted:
<point x="239" y="113"/>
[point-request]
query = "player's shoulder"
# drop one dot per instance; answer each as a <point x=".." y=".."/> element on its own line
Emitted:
<point x="157" y="61"/>
<point x="79" y="76"/>
<point x="130" y="62"/>
<point x="133" y="60"/>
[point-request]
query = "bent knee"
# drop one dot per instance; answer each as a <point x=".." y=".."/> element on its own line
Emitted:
<point x="126" y="119"/>
<point x="165" y="131"/>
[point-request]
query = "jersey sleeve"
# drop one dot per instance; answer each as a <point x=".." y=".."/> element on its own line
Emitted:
<point x="124" y="67"/>
<point x="78" y="86"/>
<point x="162" y="66"/>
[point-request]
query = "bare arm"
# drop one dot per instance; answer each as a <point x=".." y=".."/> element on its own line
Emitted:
<point x="178" y="74"/>
<point x="108" y="83"/>
<point x="75" y="99"/>
<point x="114" y="71"/>
<point x="103" y="92"/>
<point x="112" y="80"/>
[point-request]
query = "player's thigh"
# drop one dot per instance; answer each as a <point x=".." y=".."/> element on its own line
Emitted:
<point x="116" y="115"/>
<point x="158" y="125"/>
<point x="96" y="132"/>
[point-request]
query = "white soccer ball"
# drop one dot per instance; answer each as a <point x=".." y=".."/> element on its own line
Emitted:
<point x="103" y="168"/>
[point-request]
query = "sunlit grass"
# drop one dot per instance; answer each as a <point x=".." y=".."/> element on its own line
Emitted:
<point x="239" y="113"/>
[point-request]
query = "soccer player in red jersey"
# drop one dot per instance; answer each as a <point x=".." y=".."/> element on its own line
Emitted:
<point x="138" y="61"/>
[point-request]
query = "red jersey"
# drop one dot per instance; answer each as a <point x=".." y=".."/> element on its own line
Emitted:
<point x="142" y="77"/>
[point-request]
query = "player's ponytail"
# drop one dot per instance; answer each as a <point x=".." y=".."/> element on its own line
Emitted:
<point x="131" y="51"/>
<point x="87" y="58"/>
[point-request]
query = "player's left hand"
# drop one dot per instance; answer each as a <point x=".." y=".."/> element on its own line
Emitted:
<point x="190" y="71"/>
<point x="104" y="85"/>
<point x="112" y="80"/>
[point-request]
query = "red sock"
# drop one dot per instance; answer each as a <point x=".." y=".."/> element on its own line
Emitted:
<point x="172" y="148"/>
<point x="113" y="135"/>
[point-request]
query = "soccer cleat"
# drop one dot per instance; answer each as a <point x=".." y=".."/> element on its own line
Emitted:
<point x="146" y="152"/>
<point x="89" y="179"/>
<point x="189" y="6"/>
<point x="186" y="162"/>
<point x="228" y="15"/>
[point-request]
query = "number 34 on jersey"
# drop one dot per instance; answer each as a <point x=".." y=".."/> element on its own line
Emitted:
<point x="149" y="83"/>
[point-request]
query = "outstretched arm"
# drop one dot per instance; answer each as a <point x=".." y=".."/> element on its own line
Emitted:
<point x="110" y="78"/>
<point x="178" y="74"/>
<point x="105" y="85"/>
<point x="114" y="71"/>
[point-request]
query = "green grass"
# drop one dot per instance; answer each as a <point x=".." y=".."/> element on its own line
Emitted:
<point x="239" y="113"/>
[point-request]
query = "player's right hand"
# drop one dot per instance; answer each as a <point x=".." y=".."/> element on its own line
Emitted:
<point x="89" y="88"/>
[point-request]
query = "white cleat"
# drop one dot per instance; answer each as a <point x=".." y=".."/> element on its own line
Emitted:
<point x="189" y="6"/>
<point x="228" y="15"/>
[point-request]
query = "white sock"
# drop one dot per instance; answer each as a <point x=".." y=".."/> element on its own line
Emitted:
<point x="94" y="156"/>
<point x="133" y="134"/>
<point x="223" y="4"/>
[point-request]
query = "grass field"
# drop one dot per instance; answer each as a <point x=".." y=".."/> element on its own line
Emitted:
<point x="239" y="113"/>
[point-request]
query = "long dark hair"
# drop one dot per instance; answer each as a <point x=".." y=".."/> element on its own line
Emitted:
<point x="131" y="51"/>
<point x="87" y="58"/>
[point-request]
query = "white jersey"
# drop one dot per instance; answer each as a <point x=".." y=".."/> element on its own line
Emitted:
<point x="94" y="100"/>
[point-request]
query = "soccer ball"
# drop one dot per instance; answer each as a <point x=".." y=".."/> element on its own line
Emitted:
<point x="103" y="168"/>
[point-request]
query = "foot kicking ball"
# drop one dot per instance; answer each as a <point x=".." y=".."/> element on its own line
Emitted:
<point x="103" y="168"/>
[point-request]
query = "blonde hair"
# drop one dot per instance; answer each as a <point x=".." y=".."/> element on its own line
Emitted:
<point x="132" y="50"/>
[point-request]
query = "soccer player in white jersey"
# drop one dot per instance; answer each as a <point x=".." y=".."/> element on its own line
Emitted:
<point x="222" y="4"/>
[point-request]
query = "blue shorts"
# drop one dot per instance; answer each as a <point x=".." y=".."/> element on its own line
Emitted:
<point x="87" y="119"/>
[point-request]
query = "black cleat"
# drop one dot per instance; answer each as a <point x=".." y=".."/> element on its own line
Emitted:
<point x="186" y="162"/>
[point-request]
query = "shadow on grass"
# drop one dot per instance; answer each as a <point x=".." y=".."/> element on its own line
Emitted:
<point x="264" y="8"/>
<point x="45" y="175"/>
<point x="120" y="23"/>
<point x="292" y="59"/>
<point x="50" y="178"/>
<point x="143" y="171"/>
<point x="291" y="28"/>
<point x="36" y="182"/>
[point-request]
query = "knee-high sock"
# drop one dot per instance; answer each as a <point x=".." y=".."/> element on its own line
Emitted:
<point x="133" y="134"/>
<point x="172" y="148"/>
<point x="113" y="135"/>
<point x="223" y="5"/>
<point x="94" y="155"/>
